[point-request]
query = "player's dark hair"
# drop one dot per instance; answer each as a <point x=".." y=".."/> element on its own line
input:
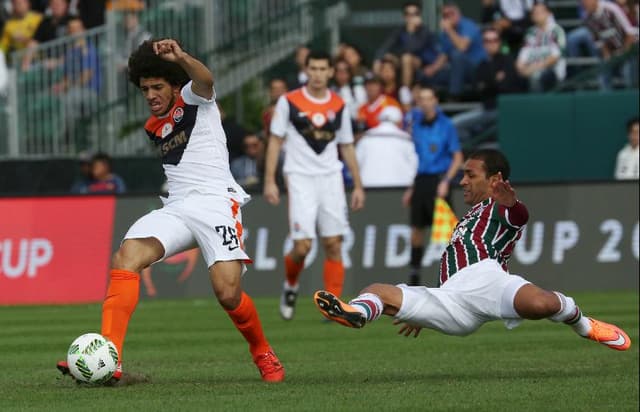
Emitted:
<point x="411" y="4"/>
<point x="103" y="157"/>
<point x="494" y="162"/>
<point x="631" y="122"/>
<point x="318" y="55"/>
<point x="145" y="63"/>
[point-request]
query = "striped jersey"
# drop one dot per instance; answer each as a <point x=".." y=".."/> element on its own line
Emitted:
<point x="488" y="231"/>
<point x="610" y="25"/>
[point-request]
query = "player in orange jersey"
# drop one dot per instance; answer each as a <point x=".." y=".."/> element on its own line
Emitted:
<point x="203" y="206"/>
<point x="313" y="122"/>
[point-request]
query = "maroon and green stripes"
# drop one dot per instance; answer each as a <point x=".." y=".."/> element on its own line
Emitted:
<point x="483" y="233"/>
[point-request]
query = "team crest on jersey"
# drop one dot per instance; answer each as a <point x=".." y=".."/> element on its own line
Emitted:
<point x="331" y="115"/>
<point x="318" y="119"/>
<point x="178" y="114"/>
<point x="166" y="129"/>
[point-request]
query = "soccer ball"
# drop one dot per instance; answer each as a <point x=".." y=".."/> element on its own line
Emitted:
<point x="92" y="358"/>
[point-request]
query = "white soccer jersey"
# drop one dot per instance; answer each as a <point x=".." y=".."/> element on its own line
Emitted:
<point x="193" y="148"/>
<point x="312" y="128"/>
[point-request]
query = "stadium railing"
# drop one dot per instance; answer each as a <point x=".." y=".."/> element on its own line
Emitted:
<point x="239" y="39"/>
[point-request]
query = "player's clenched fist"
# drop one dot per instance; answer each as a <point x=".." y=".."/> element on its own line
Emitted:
<point x="168" y="49"/>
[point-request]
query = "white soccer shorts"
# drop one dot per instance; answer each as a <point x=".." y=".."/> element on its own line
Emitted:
<point x="473" y="296"/>
<point x="317" y="201"/>
<point x="214" y="223"/>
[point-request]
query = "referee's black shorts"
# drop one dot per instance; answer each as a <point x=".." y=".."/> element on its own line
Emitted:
<point x="425" y="189"/>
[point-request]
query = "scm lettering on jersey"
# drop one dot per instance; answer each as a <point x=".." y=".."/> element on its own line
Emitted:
<point x="316" y="122"/>
<point x="171" y="133"/>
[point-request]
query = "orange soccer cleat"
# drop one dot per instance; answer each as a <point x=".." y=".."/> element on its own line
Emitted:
<point x="609" y="335"/>
<point x="336" y="310"/>
<point x="269" y="366"/>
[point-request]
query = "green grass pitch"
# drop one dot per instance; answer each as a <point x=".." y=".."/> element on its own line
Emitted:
<point x="196" y="360"/>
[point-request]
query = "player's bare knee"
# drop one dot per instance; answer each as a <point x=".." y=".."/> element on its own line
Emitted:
<point x="333" y="250"/>
<point x="228" y="298"/>
<point x="302" y="248"/>
<point x="132" y="256"/>
<point x="539" y="306"/>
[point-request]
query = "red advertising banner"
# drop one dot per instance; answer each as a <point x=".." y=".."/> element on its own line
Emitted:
<point x="55" y="250"/>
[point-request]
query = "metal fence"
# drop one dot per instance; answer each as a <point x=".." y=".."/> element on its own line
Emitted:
<point x="74" y="94"/>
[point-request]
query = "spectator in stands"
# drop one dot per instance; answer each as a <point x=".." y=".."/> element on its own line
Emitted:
<point x="386" y="154"/>
<point x="615" y="34"/>
<point x="81" y="83"/>
<point x="628" y="160"/>
<point x="494" y="76"/>
<point x="135" y="35"/>
<point x="300" y="57"/>
<point x="439" y="159"/>
<point x="277" y="87"/>
<point x="369" y="113"/>
<point x="248" y="169"/>
<point x="353" y="94"/>
<point x="389" y="76"/>
<point x="541" y="59"/>
<point x="510" y="18"/>
<point x="52" y="26"/>
<point x="103" y="180"/>
<point x="412" y="43"/>
<point x="20" y="27"/>
<point x="461" y="42"/>
<point x="82" y="182"/>
<point x="353" y="56"/>
<point x="580" y="41"/>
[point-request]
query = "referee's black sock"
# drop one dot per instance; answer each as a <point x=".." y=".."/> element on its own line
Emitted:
<point x="415" y="263"/>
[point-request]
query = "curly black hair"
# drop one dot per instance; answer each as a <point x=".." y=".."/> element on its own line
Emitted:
<point x="144" y="63"/>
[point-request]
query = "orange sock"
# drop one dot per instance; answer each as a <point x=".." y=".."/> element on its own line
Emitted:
<point x="246" y="319"/>
<point x="292" y="270"/>
<point x="119" y="304"/>
<point x="333" y="276"/>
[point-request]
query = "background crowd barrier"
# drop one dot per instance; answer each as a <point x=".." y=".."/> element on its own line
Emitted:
<point x="57" y="250"/>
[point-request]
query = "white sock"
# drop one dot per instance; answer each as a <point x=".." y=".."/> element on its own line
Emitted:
<point x="571" y="315"/>
<point x="369" y="305"/>
<point x="290" y="288"/>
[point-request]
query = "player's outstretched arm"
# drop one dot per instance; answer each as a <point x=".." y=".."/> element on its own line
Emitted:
<point x="170" y="50"/>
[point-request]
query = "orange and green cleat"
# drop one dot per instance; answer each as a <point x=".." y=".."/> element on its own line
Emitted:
<point x="269" y="366"/>
<point x="609" y="335"/>
<point x="336" y="310"/>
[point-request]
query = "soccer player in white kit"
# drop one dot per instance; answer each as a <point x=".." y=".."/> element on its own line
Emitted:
<point x="313" y="122"/>
<point x="203" y="206"/>
<point x="475" y="285"/>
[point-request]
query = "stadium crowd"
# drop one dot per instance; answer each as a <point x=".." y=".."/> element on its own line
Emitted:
<point x="516" y="46"/>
